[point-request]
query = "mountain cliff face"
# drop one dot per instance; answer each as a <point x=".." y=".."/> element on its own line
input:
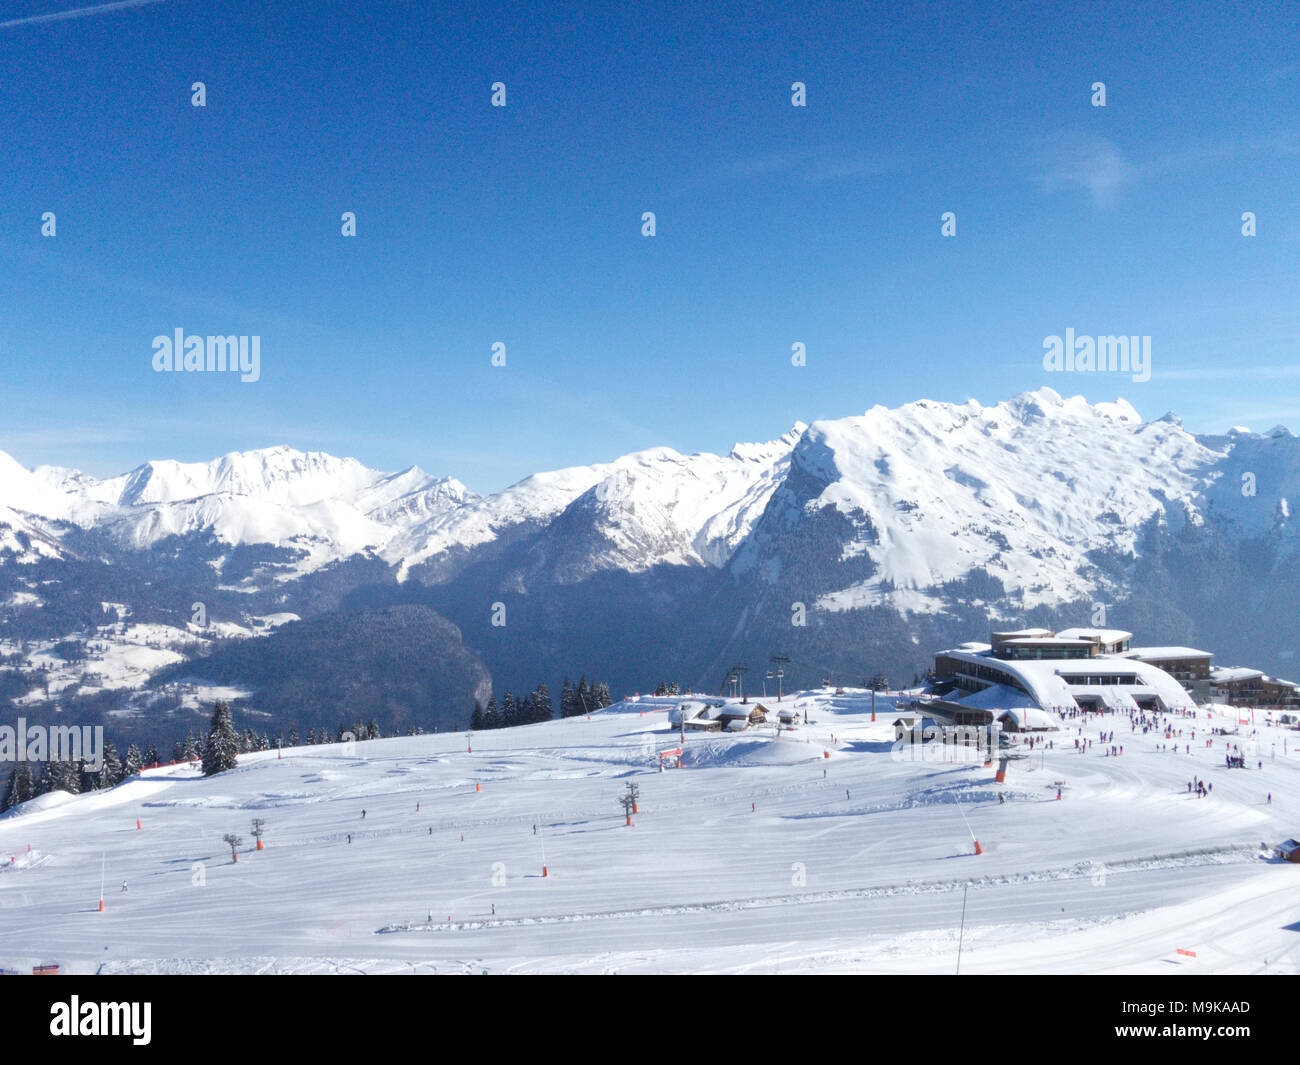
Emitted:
<point x="853" y="545"/>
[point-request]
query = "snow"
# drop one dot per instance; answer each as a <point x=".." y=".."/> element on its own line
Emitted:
<point x="123" y="656"/>
<point x="760" y="855"/>
<point x="951" y="488"/>
<point x="1026" y="490"/>
<point x="1047" y="681"/>
<point x="1105" y="636"/>
<point x="1225" y="674"/>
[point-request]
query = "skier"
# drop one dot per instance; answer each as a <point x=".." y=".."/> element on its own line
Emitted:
<point x="846" y="793"/>
<point x="123" y="887"/>
<point x="363" y="815"/>
<point x="349" y="837"/>
<point x="1001" y="799"/>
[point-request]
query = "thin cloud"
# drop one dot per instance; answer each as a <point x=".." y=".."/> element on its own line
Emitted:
<point x="1083" y="161"/>
<point x="80" y="12"/>
<point x="1075" y="161"/>
<point x="812" y="164"/>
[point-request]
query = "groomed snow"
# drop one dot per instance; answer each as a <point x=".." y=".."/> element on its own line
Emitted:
<point x="754" y="857"/>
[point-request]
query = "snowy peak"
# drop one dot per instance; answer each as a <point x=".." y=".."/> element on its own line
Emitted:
<point x="644" y="509"/>
<point x="1024" y="491"/>
<point x="29" y="492"/>
<point x="280" y="474"/>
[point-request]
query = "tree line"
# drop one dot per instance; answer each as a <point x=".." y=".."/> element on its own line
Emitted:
<point x="575" y="699"/>
<point x="216" y="751"/>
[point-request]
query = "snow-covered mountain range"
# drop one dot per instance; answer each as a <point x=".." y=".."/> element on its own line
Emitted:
<point x="1025" y="489"/>
<point x="939" y="516"/>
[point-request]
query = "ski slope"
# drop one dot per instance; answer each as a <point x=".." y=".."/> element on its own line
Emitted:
<point x="759" y="855"/>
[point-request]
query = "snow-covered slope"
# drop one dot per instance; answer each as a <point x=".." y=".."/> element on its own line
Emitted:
<point x="644" y="509"/>
<point x="1024" y="490"/>
<point x="826" y="849"/>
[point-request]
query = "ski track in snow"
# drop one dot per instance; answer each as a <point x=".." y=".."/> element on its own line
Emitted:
<point x="1116" y="876"/>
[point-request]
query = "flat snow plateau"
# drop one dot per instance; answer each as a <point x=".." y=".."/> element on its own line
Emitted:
<point x="760" y="855"/>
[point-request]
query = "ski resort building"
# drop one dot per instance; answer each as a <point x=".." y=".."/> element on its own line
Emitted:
<point x="1186" y="665"/>
<point x="1250" y="687"/>
<point x="1019" y="678"/>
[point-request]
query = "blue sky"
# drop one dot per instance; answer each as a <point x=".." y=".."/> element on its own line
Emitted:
<point x="522" y="224"/>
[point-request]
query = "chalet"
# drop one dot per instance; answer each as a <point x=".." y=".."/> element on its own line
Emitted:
<point x="736" y="717"/>
<point x="920" y="730"/>
<point x="1288" y="851"/>
<point x="696" y="715"/>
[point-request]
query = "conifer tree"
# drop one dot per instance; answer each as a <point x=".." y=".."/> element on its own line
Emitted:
<point x="509" y="711"/>
<point x="134" y="761"/>
<point x="541" y="703"/>
<point x="222" y="747"/>
<point x="26" y="782"/>
<point x="492" y="715"/>
<point x="22" y="786"/>
<point x="63" y="776"/>
<point x="110" y="775"/>
<point x="10" y="799"/>
<point x="476" y="718"/>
